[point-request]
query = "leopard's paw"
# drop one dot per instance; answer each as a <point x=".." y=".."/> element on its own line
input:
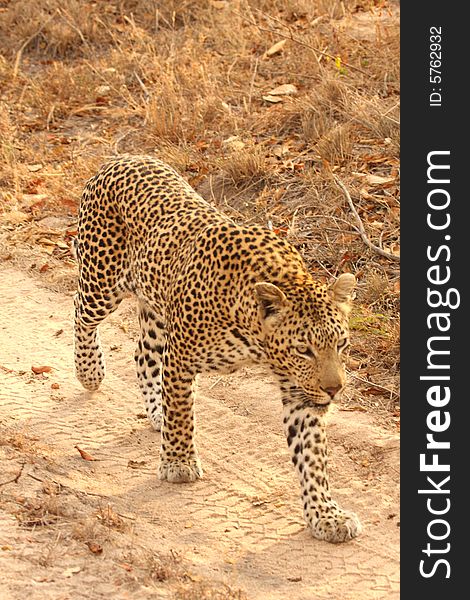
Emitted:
<point x="90" y="378"/>
<point x="180" y="471"/>
<point x="340" y="526"/>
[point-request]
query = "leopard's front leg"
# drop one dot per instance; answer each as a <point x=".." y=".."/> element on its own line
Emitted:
<point x="306" y="438"/>
<point x="179" y="462"/>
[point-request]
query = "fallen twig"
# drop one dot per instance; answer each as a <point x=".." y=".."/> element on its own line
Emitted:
<point x="361" y="229"/>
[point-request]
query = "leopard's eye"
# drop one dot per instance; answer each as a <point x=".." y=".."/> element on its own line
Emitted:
<point x="305" y="351"/>
<point x="342" y="344"/>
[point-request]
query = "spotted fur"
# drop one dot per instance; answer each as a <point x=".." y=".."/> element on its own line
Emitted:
<point x="213" y="296"/>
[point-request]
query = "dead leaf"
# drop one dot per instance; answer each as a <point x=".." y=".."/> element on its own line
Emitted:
<point x="373" y="391"/>
<point x="281" y="231"/>
<point x="35" y="168"/>
<point x="46" y="241"/>
<point x="94" y="547"/>
<point x="69" y="203"/>
<point x="376" y="159"/>
<point x="354" y="408"/>
<point x="85" y="454"/>
<point x="286" y="89"/>
<point x="44" y="268"/>
<point x="380" y="181"/>
<point x="36" y="207"/>
<point x="272" y="99"/>
<point x="34" y="199"/>
<point x="39" y="370"/>
<point x="55" y="386"/>
<point x="375" y="224"/>
<point x="136" y="464"/>
<point x="275" y="49"/>
<point x="71" y="571"/>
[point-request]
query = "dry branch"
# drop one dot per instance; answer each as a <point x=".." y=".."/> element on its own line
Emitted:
<point x="360" y="224"/>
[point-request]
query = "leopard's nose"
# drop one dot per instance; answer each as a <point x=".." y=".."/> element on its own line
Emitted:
<point x="332" y="390"/>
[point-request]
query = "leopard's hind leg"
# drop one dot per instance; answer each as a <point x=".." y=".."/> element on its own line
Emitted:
<point x="148" y="357"/>
<point x="89" y="360"/>
<point x="102" y="258"/>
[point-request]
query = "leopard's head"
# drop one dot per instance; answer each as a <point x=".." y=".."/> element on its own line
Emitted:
<point x="305" y="329"/>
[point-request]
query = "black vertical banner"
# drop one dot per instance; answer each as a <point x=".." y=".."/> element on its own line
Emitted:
<point x="435" y="312"/>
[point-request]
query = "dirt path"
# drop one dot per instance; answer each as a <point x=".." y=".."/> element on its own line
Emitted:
<point x="241" y="524"/>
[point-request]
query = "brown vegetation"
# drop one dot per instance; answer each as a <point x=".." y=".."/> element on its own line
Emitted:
<point x="262" y="106"/>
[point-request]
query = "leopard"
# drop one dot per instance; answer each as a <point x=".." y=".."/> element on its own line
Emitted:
<point x="212" y="296"/>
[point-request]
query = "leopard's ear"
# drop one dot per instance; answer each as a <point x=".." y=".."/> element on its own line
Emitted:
<point x="271" y="301"/>
<point x="342" y="289"/>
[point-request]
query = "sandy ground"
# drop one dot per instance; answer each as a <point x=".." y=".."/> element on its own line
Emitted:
<point x="108" y="528"/>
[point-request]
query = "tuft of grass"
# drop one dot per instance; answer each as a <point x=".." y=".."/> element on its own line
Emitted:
<point x="164" y="568"/>
<point x="246" y="166"/>
<point x="109" y="518"/>
<point x="203" y="590"/>
<point x="336" y="145"/>
<point x="41" y="511"/>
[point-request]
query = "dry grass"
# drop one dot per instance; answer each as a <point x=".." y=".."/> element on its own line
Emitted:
<point x="185" y="80"/>
<point x="108" y="517"/>
<point x="41" y="511"/>
<point x="205" y="591"/>
<point x="62" y="523"/>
